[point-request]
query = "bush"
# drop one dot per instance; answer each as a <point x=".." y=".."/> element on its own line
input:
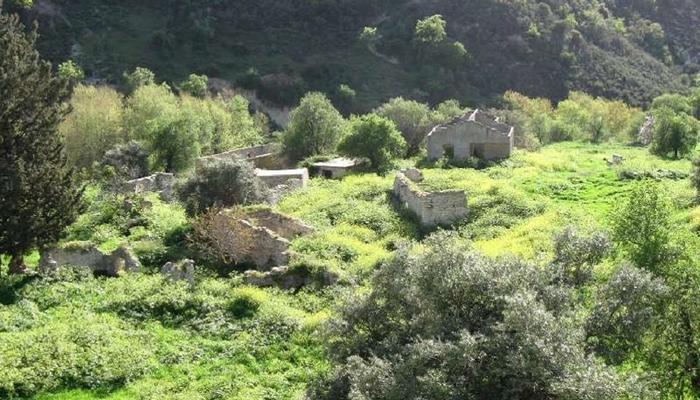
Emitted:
<point x="315" y="128"/>
<point x="412" y="119"/>
<point x="94" y="126"/>
<point x="674" y="132"/>
<point x="374" y="138"/>
<point x="127" y="161"/>
<point x="196" y="85"/>
<point x="446" y="323"/>
<point x="221" y="183"/>
<point x="139" y="77"/>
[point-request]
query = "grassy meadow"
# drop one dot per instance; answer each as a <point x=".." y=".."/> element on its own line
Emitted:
<point x="78" y="337"/>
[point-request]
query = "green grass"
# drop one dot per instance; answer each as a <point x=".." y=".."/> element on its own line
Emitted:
<point x="140" y="336"/>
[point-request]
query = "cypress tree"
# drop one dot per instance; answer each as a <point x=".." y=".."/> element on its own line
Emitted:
<point x="38" y="195"/>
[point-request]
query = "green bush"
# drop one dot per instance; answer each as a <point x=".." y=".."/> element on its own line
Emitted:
<point x="221" y="183"/>
<point x="315" y="127"/>
<point x="374" y="138"/>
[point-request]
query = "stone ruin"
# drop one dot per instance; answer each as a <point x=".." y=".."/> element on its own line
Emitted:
<point x="432" y="208"/>
<point x="110" y="264"/>
<point x="646" y="131"/>
<point x="161" y="183"/>
<point x="616" y="160"/>
<point x="282" y="181"/>
<point x="259" y="237"/>
<point x="180" y="271"/>
<point x="267" y="156"/>
<point x="475" y="134"/>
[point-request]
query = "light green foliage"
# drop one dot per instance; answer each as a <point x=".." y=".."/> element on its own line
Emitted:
<point x="374" y="138"/>
<point x="674" y="132"/>
<point x="196" y="85"/>
<point x="70" y="71"/>
<point x="139" y="77"/>
<point x="148" y="109"/>
<point x="413" y="120"/>
<point x="675" y="102"/>
<point x="579" y="117"/>
<point x="642" y="226"/>
<point x="315" y="127"/>
<point x="369" y="35"/>
<point x="94" y="124"/>
<point x="695" y="177"/>
<point x="431" y="30"/>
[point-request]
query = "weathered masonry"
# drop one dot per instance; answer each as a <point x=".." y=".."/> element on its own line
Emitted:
<point x="263" y="156"/>
<point x="475" y="134"/>
<point x="431" y="208"/>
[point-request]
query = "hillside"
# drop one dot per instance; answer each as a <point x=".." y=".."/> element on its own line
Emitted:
<point x="633" y="50"/>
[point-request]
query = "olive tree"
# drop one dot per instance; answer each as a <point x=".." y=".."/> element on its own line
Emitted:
<point x="315" y="127"/>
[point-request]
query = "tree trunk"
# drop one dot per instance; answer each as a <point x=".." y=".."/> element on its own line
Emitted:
<point x="17" y="265"/>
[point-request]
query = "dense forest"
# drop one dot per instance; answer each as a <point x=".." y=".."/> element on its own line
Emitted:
<point x="628" y="49"/>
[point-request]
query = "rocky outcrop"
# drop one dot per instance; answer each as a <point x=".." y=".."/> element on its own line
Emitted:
<point x="180" y="271"/>
<point x="114" y="264"/>
<point x="646" y="131"/>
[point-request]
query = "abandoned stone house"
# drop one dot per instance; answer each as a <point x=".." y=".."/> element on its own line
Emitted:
<point x="336" y="168"/>
<point x="431" y="208"/>
<point x="475" y="134"/>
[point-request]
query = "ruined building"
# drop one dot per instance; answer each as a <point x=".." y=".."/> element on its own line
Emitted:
<point x="431" y="208"/>
<point x="475" y="134"/>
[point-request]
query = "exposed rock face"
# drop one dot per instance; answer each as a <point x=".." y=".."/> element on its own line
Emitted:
<point x="112" y="264"/>
<point x="476" y="134"/>
<point x="285" y="279"/>
<point x="161" y="183"/>
<point x="181" y="271"/>
<point x="432" y="209"/>
<point x="646" y="131"/>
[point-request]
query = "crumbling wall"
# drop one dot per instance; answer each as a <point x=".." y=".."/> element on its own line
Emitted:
<point x="263" y="156"/>
<point x="432" y="209"/>
<point x="161" y="183"/>
<point x="111" y="264"/>
<point x="283" y="225"/>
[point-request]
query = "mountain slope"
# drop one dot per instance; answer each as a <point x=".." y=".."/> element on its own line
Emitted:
<point x="628" y="49"/>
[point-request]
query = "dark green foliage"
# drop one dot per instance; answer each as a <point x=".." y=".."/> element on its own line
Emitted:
<point x="38" y="197"/>
<point x="626" y="307"/>
<point x="127" y="161"/>
<point x="221" y="183"/>
<point x="315" y="128"/>
<point x="412" y="119"/>
<point x="175" y="146"/>
<point x="446" y="323"/>
<point x="374" y="138"/>
<point x="575" y="255"/>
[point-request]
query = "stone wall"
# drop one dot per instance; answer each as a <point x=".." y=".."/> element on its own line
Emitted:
<point x="287" y="177"/>
<point x="283" y="225"/>
<point x="263" y="156"/>
<point x="110" y="264"/>
<point x="432" y="209"/>
<point x="161" y="183"/>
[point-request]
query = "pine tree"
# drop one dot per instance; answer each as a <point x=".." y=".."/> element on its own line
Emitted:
<point x="38" y="196"/>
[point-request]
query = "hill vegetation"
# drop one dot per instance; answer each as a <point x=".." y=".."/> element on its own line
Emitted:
<point x="629" y="50"/>
<point x="573" y="276"/>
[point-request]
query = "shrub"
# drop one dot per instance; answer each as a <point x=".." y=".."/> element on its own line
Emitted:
<point x="315" y="127"/>
<point x="94" y="126"/>
<point x="221" y="183"/>
<point x="175" y="146"/>
<point x="196" y="85"/>
<point x="412" y="119"/>
<point x="674" y="132"/>
<point x="374" y="138"/>
<point x="127" y="161"/>
<point x="139" y="77"/>
<point x="445" y="323"/>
